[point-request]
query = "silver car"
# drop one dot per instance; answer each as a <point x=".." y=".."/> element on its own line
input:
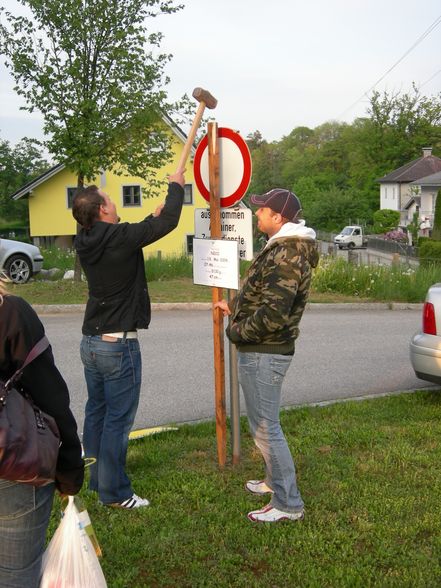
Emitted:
<point x="19" y="260"/>
<point x="425" y="346"/>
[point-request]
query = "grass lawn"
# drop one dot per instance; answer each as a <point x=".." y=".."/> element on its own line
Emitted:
<point x="173" y="290"/>
<point x="370" y="476"/>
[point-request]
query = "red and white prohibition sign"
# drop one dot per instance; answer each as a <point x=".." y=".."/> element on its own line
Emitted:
<point x="235" y="167"/>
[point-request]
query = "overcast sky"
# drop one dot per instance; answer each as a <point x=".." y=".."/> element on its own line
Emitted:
<point x="274" y="65"/>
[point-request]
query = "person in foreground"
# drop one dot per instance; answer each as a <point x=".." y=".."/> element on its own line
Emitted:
<point x="25" y="509"/>
<point x="118" y="304"/>
<point x="264" y="325"/>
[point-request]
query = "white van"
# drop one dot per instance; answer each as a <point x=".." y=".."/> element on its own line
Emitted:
<point x="351" y="237"/>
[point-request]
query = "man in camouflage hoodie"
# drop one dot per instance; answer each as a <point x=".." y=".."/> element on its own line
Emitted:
<point x="264" y="324"/>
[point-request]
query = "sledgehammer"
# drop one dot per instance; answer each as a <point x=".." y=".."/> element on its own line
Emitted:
<point x="206" y="100"/>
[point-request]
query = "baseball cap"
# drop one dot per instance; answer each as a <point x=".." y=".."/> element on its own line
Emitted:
<point x="279" y="200"/>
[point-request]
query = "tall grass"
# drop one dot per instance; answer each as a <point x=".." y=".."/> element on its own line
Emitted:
<point x="382" y="283"/>
<point x="54" y="257"/>
<point x="172" y="267"/>
<point x="168" y="267"/>
<point x="399" y="283"/>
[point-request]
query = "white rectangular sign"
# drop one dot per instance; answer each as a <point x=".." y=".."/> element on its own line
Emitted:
<point x="236" y="225"/>
<point x="216" y="263"/>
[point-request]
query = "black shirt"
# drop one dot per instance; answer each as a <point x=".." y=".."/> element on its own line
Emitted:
<point x="112" y="259"/>
<point x="20" y="330"/>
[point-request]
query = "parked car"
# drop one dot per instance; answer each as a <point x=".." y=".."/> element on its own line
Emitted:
<point x="425" y="346"/>
<point x="20" y="261"/>
<point x="351" y="237"/>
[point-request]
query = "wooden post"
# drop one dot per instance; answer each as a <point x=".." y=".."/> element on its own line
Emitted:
<point x="234" y="398"/>
<point x="218" y="322"/>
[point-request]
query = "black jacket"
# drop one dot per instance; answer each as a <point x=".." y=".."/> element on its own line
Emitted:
<point x="112" y="259"/>
<point x="20" y="330"/>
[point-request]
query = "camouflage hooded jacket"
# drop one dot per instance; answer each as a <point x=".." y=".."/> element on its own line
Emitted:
<point x="267" y="310"/>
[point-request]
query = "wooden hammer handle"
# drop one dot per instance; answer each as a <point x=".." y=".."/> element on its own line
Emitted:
<point x="191" y="136"/>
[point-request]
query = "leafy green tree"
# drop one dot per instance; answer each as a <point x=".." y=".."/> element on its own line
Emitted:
<point x="349" y="158"/>
<point x="398" y="125"/>
<point x="386" y="220"/>
<point x="255" y="140"/>
<point x="94" y="71"/>
<point x="334" y="208"/>
<point x="318" y="153"/>
<point x="308" y="192"/>
<point x="436" y="231"/>
<point x="266" y="160"/>
<point x="414" y="226"/>
<point x="19" y="164"/>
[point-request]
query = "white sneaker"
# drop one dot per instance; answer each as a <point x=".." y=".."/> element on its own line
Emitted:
<point x="258" y="487"/>
<point x="269" y="514"/>
<point x="132" y="502"/>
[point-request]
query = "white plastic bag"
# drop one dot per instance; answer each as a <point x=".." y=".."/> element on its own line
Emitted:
<point x="70" y="560"/>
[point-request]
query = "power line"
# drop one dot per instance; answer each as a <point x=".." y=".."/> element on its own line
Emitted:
<point x="430" y="79"/>
<point x="435" y="23"/>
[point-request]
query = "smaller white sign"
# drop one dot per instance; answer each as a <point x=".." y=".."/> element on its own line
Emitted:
<point x="216" y="263"/>
<point x="236" y="225"/>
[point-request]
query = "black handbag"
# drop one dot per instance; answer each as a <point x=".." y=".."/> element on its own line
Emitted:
<point x="29" y="438"/>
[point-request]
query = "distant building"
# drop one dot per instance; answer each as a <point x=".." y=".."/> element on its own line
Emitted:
<point x="424" y="204"/>
<point x="402" y="189"/>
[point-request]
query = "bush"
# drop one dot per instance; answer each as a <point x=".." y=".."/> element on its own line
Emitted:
<point x="385" y="220"/>
<point x="429" y="252"/>
<point x="422" y="240"/>
<point x="396" y="235"/>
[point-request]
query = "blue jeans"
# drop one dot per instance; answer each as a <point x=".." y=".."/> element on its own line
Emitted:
<point x="261" y="376"/>
<point x="24" y="517"/>
<point x="113" y="378"/>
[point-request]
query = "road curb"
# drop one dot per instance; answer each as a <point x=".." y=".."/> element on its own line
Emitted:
<point x="365" y="306"/>
<point x="312" y="306"/>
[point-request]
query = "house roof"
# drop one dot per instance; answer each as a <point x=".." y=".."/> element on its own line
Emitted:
<point x="419" y="168"/>
<point x="432" y="180"/>
<point x="24" y="190"/>
<point x="412" y="200"/>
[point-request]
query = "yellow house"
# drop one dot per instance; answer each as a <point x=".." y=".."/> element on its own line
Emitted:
<point x="50" y="203"/>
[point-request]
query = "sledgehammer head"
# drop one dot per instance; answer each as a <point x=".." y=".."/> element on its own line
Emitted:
<point x="204" y="96"/>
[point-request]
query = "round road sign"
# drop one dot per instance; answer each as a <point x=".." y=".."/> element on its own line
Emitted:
<point x="234" y="167"/>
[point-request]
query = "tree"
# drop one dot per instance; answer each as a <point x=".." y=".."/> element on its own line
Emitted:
<point x="386" y="220"/>
<point x="413" y="227"/>
<point x="18" y="165"/>
<point x="308" y="192"/>
<point x="436" y="231"/>
<point x="255" y="140"/>
<point x="346" y="160"/>
<point x="266" y="159"/>
<point x="397" y="127"/>
<point x="334" y="208"/>
<point x="93" y="70"/>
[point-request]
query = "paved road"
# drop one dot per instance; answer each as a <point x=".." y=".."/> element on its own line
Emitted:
<point x="341" y="353"/>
